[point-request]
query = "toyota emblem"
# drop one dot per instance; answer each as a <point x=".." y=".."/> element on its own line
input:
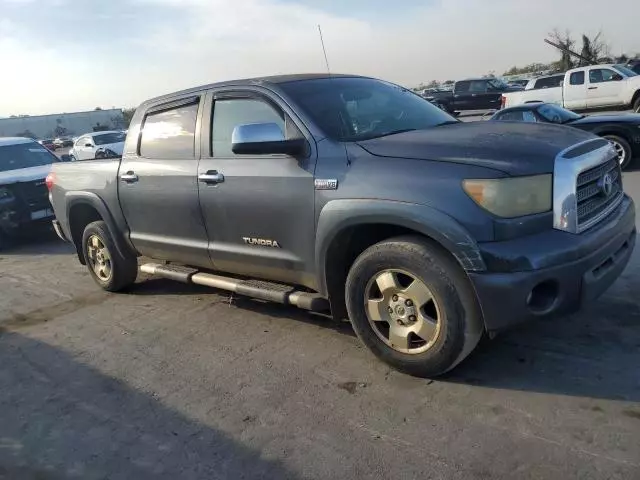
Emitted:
<point x="606" y="185"/>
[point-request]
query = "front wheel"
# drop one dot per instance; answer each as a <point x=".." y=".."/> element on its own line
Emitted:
<point x="412" y="306"/>
<point x="622" y="148"/>
<point x="112" y="271"/>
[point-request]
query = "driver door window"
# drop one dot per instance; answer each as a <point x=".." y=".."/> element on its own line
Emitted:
<point x="604" y="89"/>
<point x="228" y="114"/>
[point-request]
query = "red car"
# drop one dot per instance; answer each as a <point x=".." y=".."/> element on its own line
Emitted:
<point x="48" y="143"/>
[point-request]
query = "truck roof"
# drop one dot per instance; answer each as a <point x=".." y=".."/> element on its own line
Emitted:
<point x="274" y="79"/>
<point x="14" y="140"/>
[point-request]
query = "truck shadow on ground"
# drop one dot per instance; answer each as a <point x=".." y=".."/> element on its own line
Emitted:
<point x="62" y="419"/>
<point x="592" y="354"/>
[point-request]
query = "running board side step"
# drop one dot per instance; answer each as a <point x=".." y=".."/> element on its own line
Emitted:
<point x="273" y="292"/>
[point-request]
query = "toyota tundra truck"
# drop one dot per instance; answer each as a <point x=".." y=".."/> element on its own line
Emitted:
<point x="355" y="196"/>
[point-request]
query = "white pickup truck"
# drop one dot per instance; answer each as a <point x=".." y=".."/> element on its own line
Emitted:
<point x="587" y="88"/>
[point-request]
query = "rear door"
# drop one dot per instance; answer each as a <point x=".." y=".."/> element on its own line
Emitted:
<point x="461" y="95"/>
<point x="157" y="184"/>
<point x="575" y="91"/>
<point x="260" y="214"/>
<point x="604" y="88"/>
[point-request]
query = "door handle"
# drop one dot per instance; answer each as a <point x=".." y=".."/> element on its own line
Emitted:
<point x="212" y="177"/>
<point x="129" y="177"/>
<point x="593" y="88"/>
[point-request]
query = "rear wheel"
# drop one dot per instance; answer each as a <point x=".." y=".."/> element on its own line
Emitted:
<point x="636" y="105"/>
<point x="109" y="269"/>
<point x="623" y="149"/>
<point x="412" y="307"/>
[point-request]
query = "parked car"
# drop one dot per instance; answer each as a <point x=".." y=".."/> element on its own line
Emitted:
<point x="93" y="145"/>
<point x="472" y="94"/>
<point x="48" y="143"/>
<point x="355" y="196"/>
<point x="623" y="131"/>
<point x="587" y="88"/>
<point x="24" y="165"/>
<point x="545" y="81"/>
<point x="61" y="142"/>
<point x="634" y="65"/>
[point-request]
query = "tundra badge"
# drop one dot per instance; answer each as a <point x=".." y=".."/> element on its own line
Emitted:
<point x="261" y="241"/>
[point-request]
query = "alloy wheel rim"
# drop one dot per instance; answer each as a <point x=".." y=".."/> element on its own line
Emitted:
<point x="99" y="258"/>
<point x="622" y="154"/>
<point x="402" y="311"/>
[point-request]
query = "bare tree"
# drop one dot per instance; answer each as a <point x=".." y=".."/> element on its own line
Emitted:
<point x="565" y="41"/>
<point x="593" y="49"/>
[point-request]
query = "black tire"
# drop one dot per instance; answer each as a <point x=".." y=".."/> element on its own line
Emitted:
<point x="624" y="144"/>
<point x="636" y="105"/>
<point x="124" y="269"/>
<point x="461" y="325"/>
<point x="72" y="158"/>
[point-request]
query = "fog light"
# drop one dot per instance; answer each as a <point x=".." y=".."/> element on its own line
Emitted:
<point x="543" y="296"/>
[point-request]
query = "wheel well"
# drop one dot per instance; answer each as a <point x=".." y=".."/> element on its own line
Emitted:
<point x="346" y="247"/>
<point x="635" y="98"/>
<point x="80" y="216"/>
<point x="622" y="135"/>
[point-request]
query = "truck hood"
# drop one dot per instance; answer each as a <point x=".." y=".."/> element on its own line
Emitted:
<point x="24" y="174"/>
<point x="511" y="147"/>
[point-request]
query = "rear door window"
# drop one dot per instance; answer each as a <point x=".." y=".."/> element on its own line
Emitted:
<point x="170" y="133"/>
<point x="577" y="78"/>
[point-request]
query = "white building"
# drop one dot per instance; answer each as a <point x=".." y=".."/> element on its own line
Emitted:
<point x="62" y="124"/>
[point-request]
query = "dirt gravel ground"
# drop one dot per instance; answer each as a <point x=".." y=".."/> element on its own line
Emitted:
<point x="181" y="382"/>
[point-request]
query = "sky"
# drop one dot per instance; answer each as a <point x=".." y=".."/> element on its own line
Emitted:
<point x="71" y="55"/>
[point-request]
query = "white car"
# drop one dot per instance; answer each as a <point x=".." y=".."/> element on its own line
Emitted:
<point x="587" y="88"/>
<point x="94" y="145"/>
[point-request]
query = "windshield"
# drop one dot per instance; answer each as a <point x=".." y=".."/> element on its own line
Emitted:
<point x="556" y="114"/>
<point x="627" y="72"/>
<point x="107" y="138"/>
<point x="352" y="109"/>
<point x="24" y="155"/>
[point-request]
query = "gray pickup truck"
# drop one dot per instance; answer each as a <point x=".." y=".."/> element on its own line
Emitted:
<point x="355" y="196"/>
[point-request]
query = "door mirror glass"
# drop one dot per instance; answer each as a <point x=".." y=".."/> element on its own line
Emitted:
<point x="263" y="138"/>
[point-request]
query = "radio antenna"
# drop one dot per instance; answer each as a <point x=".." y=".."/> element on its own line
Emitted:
<point x="324" y="50"/>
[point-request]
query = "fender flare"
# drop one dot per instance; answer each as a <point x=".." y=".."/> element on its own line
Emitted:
<point x="340" y="214"/>
<point x="121" y="239"/>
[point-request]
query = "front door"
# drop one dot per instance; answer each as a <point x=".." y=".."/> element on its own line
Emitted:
<point x="258" y="209"/>
<point x="158" y="188"/>
<point x="604" y="88"/>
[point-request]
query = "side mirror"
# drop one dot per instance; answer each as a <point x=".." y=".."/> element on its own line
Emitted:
<point x="65" y="158"/>
<point x="264" y="139"/>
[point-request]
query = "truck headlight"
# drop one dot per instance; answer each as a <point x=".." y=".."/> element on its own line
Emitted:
<point x="512" y="197"/>
<point x="6" y="195"/>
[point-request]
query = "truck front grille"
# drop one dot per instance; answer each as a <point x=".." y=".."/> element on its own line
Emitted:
<point x="598" y="191"/>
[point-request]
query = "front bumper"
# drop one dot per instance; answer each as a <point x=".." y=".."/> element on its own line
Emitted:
<point x="553" y="273"/>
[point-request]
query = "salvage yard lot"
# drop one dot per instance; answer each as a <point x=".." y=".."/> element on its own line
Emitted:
<point x="175" y="381"/>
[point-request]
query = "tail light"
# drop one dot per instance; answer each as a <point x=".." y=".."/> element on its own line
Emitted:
<point x="503" y="101"/>
<point x="50" y="180"/>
